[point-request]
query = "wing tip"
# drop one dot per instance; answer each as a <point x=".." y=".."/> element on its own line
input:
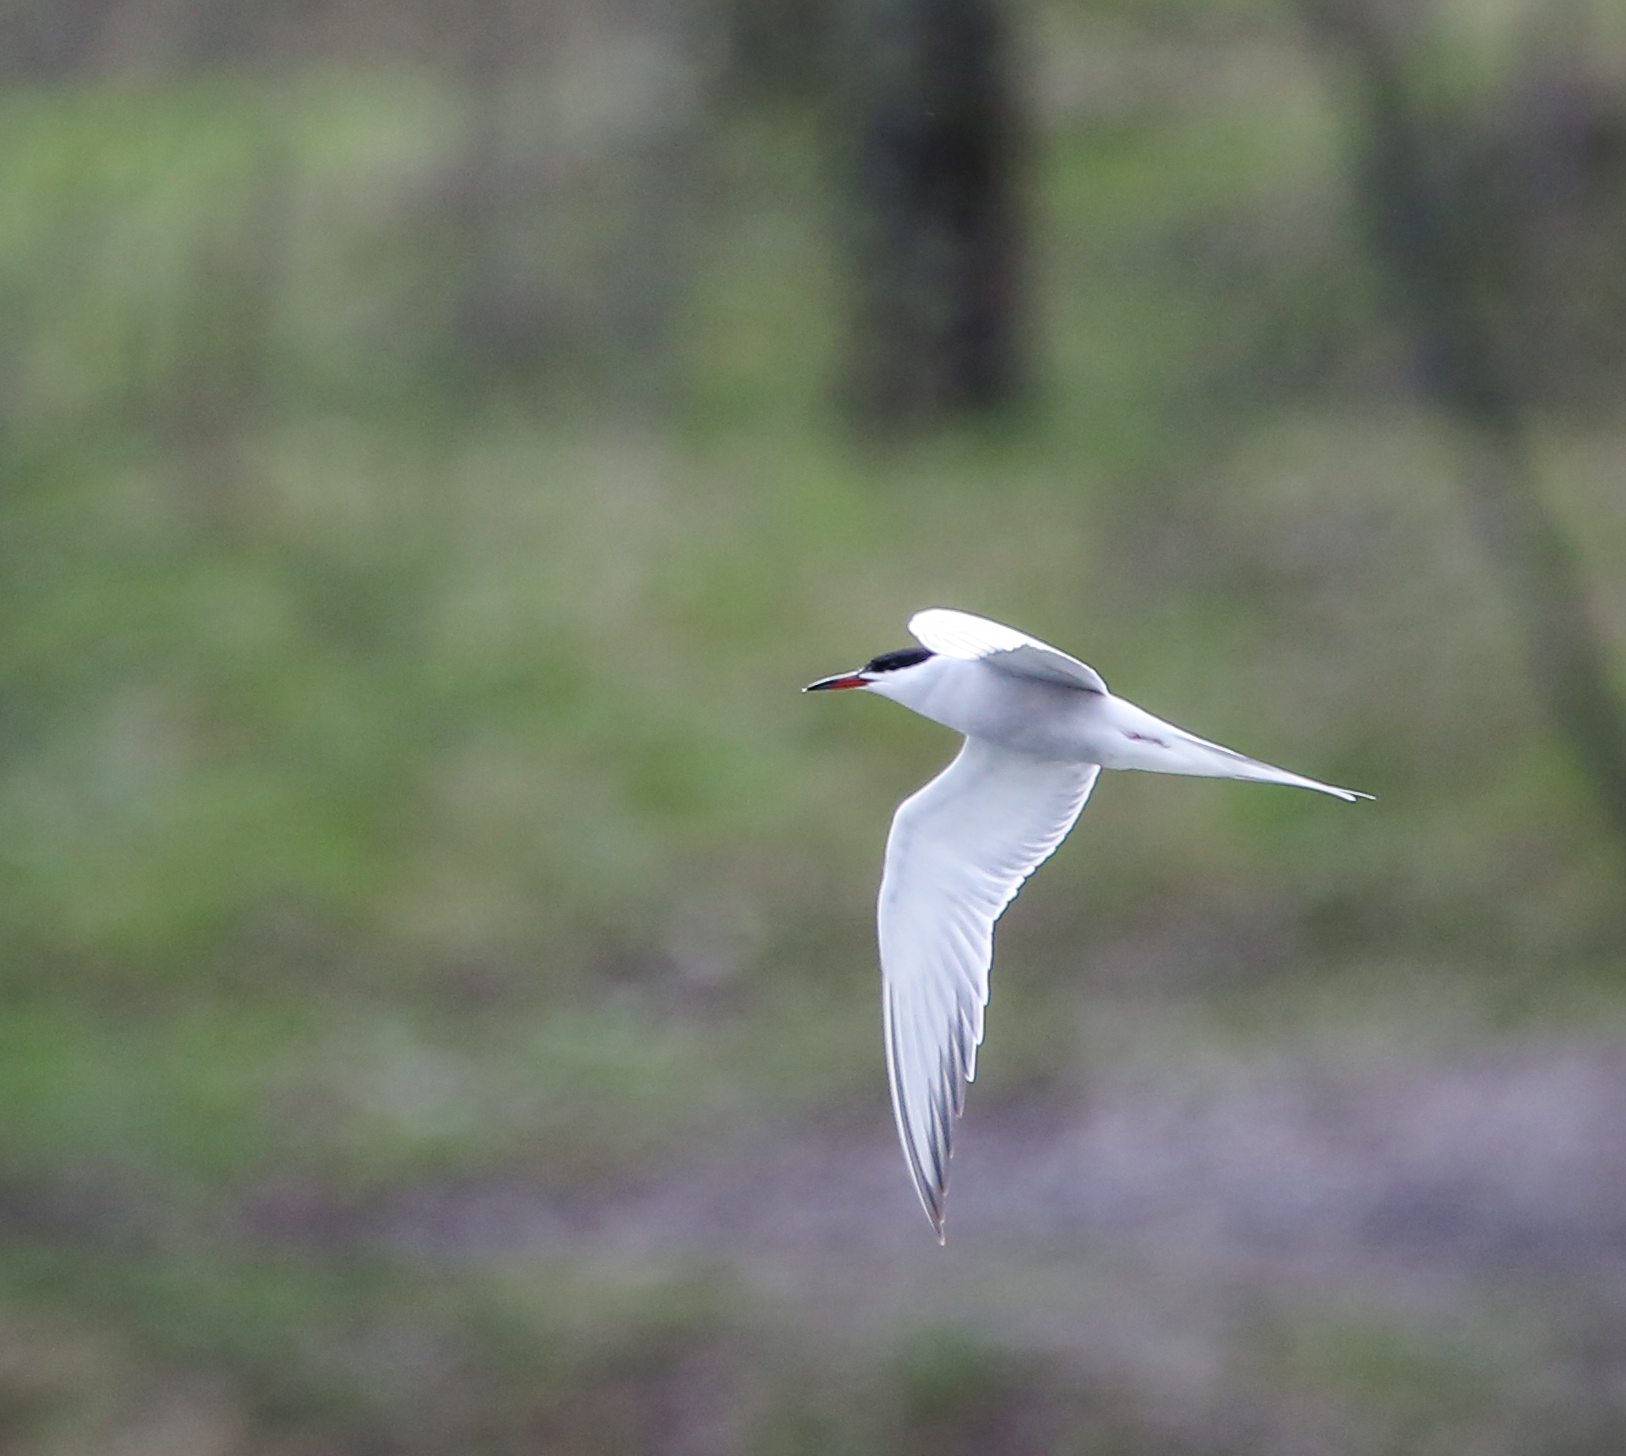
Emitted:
<point x="935" y="1213"/>
<point x="931" y="1192"/>
<point x="931" y="1187"/>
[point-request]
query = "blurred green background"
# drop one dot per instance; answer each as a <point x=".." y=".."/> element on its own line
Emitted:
<point x="440" y="1013"/>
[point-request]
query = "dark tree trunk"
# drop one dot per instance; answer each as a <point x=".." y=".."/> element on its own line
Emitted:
<point x="1415" y="217"/>
<point x="935" y="229"/>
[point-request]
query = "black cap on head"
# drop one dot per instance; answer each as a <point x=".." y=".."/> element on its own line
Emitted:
<point x="892" y="661"/>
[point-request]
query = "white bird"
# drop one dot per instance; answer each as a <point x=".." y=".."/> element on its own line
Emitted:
<point x="1039" y="727"/>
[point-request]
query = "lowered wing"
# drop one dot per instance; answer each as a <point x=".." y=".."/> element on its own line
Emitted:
<point x="958" y="852"/>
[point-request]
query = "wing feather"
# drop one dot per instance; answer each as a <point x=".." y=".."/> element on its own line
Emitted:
<point x="959" y="634"/>
<point x="958" y="852"/>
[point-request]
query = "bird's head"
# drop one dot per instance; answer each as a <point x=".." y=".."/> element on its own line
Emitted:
<point x="888" y="671"/>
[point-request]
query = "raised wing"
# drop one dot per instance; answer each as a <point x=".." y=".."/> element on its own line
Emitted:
<point x="957" y="854"/>
<point x="959" y="634"/>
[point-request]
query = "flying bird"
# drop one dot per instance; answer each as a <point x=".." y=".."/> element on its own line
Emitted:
<point x="1039" y="727"/>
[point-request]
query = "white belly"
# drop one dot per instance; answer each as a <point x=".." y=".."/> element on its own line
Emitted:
<point x="1028" y="715"/>
<point x="1063" y="724"/>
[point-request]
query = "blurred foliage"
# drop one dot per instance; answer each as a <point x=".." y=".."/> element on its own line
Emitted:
<point x="423" y="500"/>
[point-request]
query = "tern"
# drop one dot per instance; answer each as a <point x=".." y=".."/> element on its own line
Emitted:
<point x="1039" y="727"/>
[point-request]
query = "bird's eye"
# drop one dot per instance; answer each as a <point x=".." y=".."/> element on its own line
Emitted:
<point x="892" y="661"/>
